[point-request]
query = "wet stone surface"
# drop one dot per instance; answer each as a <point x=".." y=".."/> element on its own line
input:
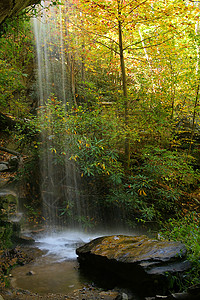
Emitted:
<point x="140" y="261"/>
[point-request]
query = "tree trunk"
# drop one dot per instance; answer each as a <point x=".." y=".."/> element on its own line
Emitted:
<point x="194" y="117"/>
<point x="125" y="94"/>
<point x="73" y="87"/>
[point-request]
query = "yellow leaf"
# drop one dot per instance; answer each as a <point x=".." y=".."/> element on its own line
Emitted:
<point x="144" y="193"/>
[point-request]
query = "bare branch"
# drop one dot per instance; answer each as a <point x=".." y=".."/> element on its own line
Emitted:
<point x="149" y="38"/>
<point x="98" y="42"/>
<point x="137" y="6"/>
<point x="150" y="46"/>
<point x="96" y="34"/>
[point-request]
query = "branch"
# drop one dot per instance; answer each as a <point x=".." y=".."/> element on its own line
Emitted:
<point x="137" y="6"/>
<point x="128" y="4"/>
<point x="154" y="44"/>
<point x="141" y="41"/>
<point x="129" y="47"/>
<point x="142" y="21"/>
<point x="96" y="34"/>
<point x="10" y="151"/>
<point x="93" y="15"/>
<point x="98" y="42"/>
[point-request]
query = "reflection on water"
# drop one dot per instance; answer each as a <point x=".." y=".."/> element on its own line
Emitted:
<point x="48" y="277"/>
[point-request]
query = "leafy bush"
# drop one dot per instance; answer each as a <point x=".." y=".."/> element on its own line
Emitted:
<point x="78" y="134"/>
<point x="5" y="235"/>
<point x="16" y="63"/>
<point x="159" y="180"/>
<point x="187" y="230"/>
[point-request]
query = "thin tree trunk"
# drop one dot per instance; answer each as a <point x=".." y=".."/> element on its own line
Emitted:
<point x="83" y="55"/>
<point x="73" y="87"/>
<point x="125" y="93"/>
<point x="197" y="32"/>
<point x="194" y="117"/>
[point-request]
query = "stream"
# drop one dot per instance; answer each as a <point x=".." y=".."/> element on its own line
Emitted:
<point x="57" y="270"/>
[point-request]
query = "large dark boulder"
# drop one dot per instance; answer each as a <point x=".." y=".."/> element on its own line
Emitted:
<point x="140" y="261"/>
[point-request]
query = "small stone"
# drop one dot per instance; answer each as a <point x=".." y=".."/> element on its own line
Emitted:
<point x="30" y="273"/>
<point x="14" y="162"/>
<point x="3" y="167"/>
<point x="124" y="296"/>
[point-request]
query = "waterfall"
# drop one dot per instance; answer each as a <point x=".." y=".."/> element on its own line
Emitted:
<point x="62" y="195"/>
<point x="68" y="199"/>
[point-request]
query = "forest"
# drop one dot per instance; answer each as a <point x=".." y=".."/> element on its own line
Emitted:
<point x="107" y="91"/>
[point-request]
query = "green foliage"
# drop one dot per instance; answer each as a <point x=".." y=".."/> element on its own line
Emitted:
<point x="160" y="178"/>
<point x="16" y="52"/>
<point x="78" y="134"/>
<point x="85" y="222"/>
<point x="172" y="168"/>
<point x="186" y="229"/>
<point x="7" y="208"/>
<point x="26" y="135"/>
<point x="5" y="235"/>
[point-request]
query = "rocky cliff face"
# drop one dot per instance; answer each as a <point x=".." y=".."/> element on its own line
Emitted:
<point x="10" y="8"/>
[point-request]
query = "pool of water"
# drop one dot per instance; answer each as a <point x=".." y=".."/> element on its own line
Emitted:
<point x="45" y="276"/>
<point x="57" y="270"/>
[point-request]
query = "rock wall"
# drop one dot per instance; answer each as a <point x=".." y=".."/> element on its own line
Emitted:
<point x="10" y="8"/>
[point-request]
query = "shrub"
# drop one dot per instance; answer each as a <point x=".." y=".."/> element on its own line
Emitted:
<point x="186" y="230"/>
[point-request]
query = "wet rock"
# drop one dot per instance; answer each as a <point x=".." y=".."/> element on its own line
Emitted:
<point x="23" y="240"/>
<point x="8" y="207"/>
<point x="193" y="293"/>
<point x="30" y="273"/>
<point x="141" y="261"/>
<point x="110" y="295"/>
<point x="13" y="162"/>
<point x="124" y="296"/>
<point x="3" y="167"/>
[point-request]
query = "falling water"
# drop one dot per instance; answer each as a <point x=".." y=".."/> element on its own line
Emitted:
<point x="68" y="200"/>
<point x="63" y="199"/>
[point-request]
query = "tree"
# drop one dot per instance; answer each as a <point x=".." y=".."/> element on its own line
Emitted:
<point x="124" y="27"/>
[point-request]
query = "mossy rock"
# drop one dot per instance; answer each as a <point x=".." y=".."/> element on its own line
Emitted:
<point x="137" y="260"/>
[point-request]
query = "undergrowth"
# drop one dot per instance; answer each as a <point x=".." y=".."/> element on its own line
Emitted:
<point x="186" y="229"/>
